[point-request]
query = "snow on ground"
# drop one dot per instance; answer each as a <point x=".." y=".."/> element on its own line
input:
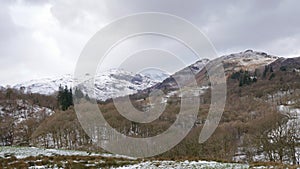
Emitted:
<point x="183" y="164"/>
<point x="249" y="60"/>
<point x="125" y="163"/>
<point x="195" y="91"/>
<point x="23" y="152"/>
<point x="1" y="112"/>
<point x="294" y="112"/>
<point x="21" y="110"/>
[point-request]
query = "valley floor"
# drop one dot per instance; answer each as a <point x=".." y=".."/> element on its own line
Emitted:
<point x="32" y="157"/>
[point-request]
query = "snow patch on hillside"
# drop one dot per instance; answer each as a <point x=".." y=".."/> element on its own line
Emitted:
<point x="23" y="152"/>
<point x="248" y="60"/>
<point x="21" y="110"/>
<point x="184" y="164"/>
<point x="109" y="84"/>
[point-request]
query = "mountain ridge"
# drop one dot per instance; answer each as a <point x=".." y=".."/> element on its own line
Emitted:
<point x="112" y="83"/>
<point x="116" y="83"/>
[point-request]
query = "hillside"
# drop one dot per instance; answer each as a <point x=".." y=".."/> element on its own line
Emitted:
<point x="258" y="123"/>
<point x="109" y="84"/>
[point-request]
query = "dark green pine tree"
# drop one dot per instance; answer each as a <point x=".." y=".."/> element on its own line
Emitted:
<point x="70" y="97"/>
<point x="245" y="79"/>
<point x="271" y="69"/>
<point x="241" y="82"/>
<point x="87" y="97"/>
<point x="265" y="71"/>
<point x="60" y="95"/>
<point x="64" y="97"/>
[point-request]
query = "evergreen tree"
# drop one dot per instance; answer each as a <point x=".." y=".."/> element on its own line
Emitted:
<point x="60" y="95"/>
<point x="272" y="76"/>
<point x="64" y="97"/>
<point x="271" y="69"/>
<point x="265" y="71"/>
<point x="241" y="82"/>
<point x="70" y="97"/>
<point x="245" y="78"/>
<point x="87" y="97"/>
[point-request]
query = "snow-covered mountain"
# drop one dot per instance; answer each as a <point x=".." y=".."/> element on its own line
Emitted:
<point x="45" y="86"/>
<point x="109" y="84"/>
<point x="170" y="83"/>
<point x="198" y="66"/>
<point x="247" y="60"/>
<point x="156" y="76"/>
<point x="116" y="82"/>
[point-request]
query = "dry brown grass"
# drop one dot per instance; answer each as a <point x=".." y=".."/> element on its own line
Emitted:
<point x="273" y="165"/>
<point x="66" y="162"/>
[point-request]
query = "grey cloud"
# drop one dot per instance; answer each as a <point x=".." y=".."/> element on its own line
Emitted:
<point x="232" y="26"/>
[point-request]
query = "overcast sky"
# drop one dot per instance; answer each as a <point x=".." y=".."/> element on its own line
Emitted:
<point x="44" y="38"/>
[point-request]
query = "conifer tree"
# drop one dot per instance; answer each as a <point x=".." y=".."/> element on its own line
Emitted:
<point x="265" y="71"/>
<point x="64" y="97"/>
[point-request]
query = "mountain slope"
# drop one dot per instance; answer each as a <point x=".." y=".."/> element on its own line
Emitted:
<point x="18" y="119"/>
<point x="170" y="83"/>
<point x="110" y="84"/>
<point x="247" y="60"/>
<point x="287" y="64"/>
<point x="115" y="83"/>
<point x="250" y="111"/>
<point x="45" y="86"/>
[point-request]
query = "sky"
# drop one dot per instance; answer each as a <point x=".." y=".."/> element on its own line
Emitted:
<point x="45" y="38"/>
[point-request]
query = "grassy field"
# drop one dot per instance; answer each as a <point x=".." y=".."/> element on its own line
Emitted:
<point x="32" y="157"/>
